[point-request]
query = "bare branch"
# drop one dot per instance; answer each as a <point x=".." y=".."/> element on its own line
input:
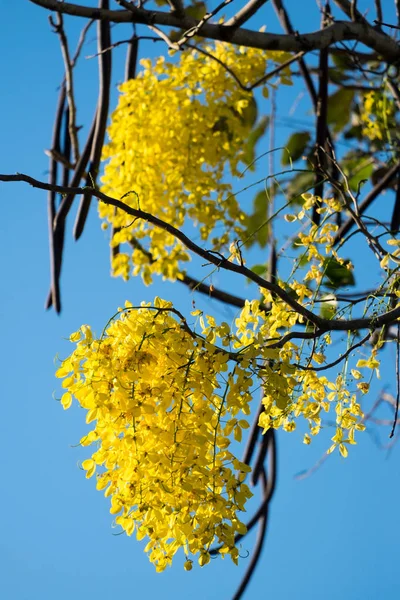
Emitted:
<point x="257" y="550"/>
<point x="339" y="31"/>
<point x="197" y="28"/>
<point x="245" y="13"/>
<point x="219" y="261"/>
<point x="338" y="360"/>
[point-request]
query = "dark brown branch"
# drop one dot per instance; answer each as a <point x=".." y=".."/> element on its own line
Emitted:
<point x="259" y="81"/>
<point x="221" y="262"/>
<point x="215" y="293"/>
<point x="193" y="31"/>
<point x="81" y="41"/>
<point x="305" y="72"/>
<point x="269" y="490"/>
<point x="339" y="31"/>
<point x="321" y="128"/>
<point x="379" y="13"/>
<point x="395" y="223"/>
<point x="255" y="432"/>
<point x="257" y="550"/>
<point x="198" y="286"/>
<point x="131" y="58"/>
<point x="350" y="9"/>
<point x="338" y="360"/>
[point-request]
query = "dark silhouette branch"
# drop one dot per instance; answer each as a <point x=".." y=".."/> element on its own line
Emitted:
<point x="338" y="32"/>
<point x="221" y="262"/>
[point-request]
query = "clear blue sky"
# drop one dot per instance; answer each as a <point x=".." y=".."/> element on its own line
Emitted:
<point x="332" y="535"/>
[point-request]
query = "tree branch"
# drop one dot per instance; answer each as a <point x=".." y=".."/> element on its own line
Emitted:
<point x="245" y="13"/>
<point x="218" y="260"/>
<point x="339" y="31"/>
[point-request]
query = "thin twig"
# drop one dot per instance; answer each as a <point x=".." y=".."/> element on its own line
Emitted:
<point x="338" y="360"/>
<point x="196" y="29"/>
<point x="321" y="129"/>
<point x="369" y="199"/>
<point x="163" y="36"/>
<point x="81" y="41"/>
<point x="245" y="13"/>
<point x="257" y="550"/>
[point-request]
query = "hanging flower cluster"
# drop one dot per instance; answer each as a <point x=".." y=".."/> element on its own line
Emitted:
<point x="164" y="404"/>
<point x="179" y="128"/>
<point x="167" y="400"/>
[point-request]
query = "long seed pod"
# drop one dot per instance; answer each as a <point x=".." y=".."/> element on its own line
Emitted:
<point x="51" y="202"/>
<point x="54" y="297"/>
<point x="105" y="65"/>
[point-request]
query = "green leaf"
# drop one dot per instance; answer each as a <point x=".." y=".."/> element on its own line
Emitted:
<point x="337" y="275"/>
<point x="196" y="10"/>
<point x="257" y="227"/>
<point x="295" y="147"/>
<point x="339" y="109"/>
<point x="328" y="306"/>
<point x="248" y="154"/>
<point x="338" y="76"/>
<point x="357" y="166"/>
<point x="259" y="269"/>
<point x="260" y="203"/>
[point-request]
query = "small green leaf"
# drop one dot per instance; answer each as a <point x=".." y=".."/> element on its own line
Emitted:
<point x="196" y="10"/>
<point x="339" y="109"/>
<point x="248" y="155"/>
<point x="328" y="306"/>
<point x="257" y="226"/>
<point x="260" y="203"/>
<point x="336" y="274"/>
<point x="295" y="147"/>
<point x="259" y="270"/>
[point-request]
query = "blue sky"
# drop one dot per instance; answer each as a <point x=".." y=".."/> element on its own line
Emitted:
<point x="331" y="535"/>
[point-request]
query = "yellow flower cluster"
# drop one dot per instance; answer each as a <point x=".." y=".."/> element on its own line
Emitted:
<point x="378" y="116"/>
<point x="291" y="391"/>
<point x="167" y="402"/>
<point x="179" y="128"/>
<point x="164" y="405"/>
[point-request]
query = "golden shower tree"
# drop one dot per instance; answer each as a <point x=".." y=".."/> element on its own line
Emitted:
<point x="169" y="396"/>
